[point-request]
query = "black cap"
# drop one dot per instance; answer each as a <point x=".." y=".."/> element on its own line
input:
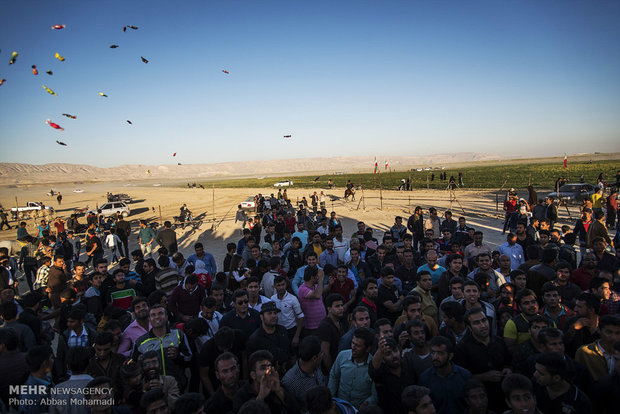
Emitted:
<point x="269" y="307"/>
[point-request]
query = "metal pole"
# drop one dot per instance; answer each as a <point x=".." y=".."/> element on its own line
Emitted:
<point x="160" y="219"/>
<point x="213" y="201"/>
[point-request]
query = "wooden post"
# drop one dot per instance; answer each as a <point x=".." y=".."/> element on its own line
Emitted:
<point x="409" y="204"/>
<point x="380" y="193"/>
<point x="213" y="204"/>
<point x="363" y="201"/>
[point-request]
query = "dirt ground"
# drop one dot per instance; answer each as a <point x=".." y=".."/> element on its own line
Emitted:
<point x="217" y="208"/>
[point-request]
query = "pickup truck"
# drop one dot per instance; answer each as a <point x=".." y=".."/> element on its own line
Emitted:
<point x="30" y="206"/>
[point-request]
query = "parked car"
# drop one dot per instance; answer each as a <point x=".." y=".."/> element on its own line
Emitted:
<point x="249" y="203"/>
<point x="109" y="209"/>
<point x="119" y="197"/>
<point x="573" y="193"/>
<point x="283" y="183"/>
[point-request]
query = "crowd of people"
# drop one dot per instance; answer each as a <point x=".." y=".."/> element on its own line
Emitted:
<point x="424" y="317"/>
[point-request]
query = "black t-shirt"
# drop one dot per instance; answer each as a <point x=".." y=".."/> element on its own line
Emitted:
<point x="209" y="353"/>
<point x="331" y="333"/>
<point x="91" y="243"/>
<point x="277" y="343"/>
<point x="390" y="387"/>
<point x="387" y="294"/>
<point x="574" y="401"/>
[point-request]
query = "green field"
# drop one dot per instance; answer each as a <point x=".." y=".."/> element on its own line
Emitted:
<point x="540" y="175"/>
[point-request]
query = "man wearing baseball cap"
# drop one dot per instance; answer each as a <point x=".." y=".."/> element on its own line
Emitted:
<point x="273" y="337"/>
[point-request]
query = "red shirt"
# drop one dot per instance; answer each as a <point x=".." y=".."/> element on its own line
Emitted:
<point x="344" y="289"/>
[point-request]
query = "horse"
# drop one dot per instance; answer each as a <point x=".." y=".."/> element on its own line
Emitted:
<point x="349" y="192"/>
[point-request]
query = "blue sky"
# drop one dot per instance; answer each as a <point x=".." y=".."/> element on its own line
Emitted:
<point x="344" y="78"/>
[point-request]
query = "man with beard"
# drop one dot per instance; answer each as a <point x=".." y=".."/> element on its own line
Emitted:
<point x="391" y="375"/>
<point x="513" y="250"/>
<point x="106" y="363"/>
<point x="264" y="384"/>
<point x="445" y="379"/>
<point x="484" y="355"/>
<point x="415" y="225"/>
<point x="523" y="239"/>
<point x="306" y="373"/>
<point x="154" y="379"/>
<point x="606" y="261"/>
<point x="583" y="328"/>
<point x="271" y="336"/>
<point x="227" y="369"/>
<point x="454" y="262"/>
<point x="554" y="309"/>
<point x="348" y="378"/>
<point x="370" y="290"/>
<point x="476" y="248"/>
<point x="140" y="326"/>
<point x="496" y="279"/>
<point x="555" y="394"/>
<point x="567" y="290"/>
<point x="242" y="317"/>
<point x="360" y="318"/>
<point x="331" y="329"/>
<point x="584" y="273"/>
<point x="168" y="238"/>
<point x="517" y="329"/>
<point x="57" y="279"/>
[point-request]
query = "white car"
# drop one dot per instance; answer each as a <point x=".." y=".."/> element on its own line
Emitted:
<point x="249" y="203"/>
<point x="283" y="183"/>
<point x="111" y="208"/>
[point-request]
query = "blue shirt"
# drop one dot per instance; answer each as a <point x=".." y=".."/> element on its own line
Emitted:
<point x="350" y="381"/>
<point x="515" y="252"/>
<point x="446" y="392"/>
<point x="435" y="274"/>
<point x="208" y="260"/>
<point x="303" y="236"/>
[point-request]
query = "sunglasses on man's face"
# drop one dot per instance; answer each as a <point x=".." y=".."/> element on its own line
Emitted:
<point x="243" y="302"/>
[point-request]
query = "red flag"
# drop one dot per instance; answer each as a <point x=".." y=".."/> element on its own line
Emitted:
<point x="376" y="166"/>
<point x="386" y="164"/>
<point x="565" y="161"/>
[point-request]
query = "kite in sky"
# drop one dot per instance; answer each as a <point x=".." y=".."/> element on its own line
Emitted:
<point x="103" y="94"/>
<point x="70" y="116"/>
<point x="61" y="143"/>
<point x="129" y="122"/>
<point x="57" y="56"/>
<point x="34" y="70"/>
<point x="287" y="136"/>
<point x="53" y="125"/>
<point x="143" y="59"/>
<point x="113" y="46"/>
<point x="49" y="72"/>
<point x="174" y="155"/>
<point x="226" y="72"/>
<point x="2" y="81"/>
<point x="131" y="27"/>
<point x="13" y="58"/>
<point x="51" y="92"/>
<point x="58" y="26"/>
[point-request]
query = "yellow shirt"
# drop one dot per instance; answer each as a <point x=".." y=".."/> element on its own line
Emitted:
<point x="597" y="200"/>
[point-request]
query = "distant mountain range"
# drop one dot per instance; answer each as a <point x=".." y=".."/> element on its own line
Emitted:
<point x="18" y="173"/>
